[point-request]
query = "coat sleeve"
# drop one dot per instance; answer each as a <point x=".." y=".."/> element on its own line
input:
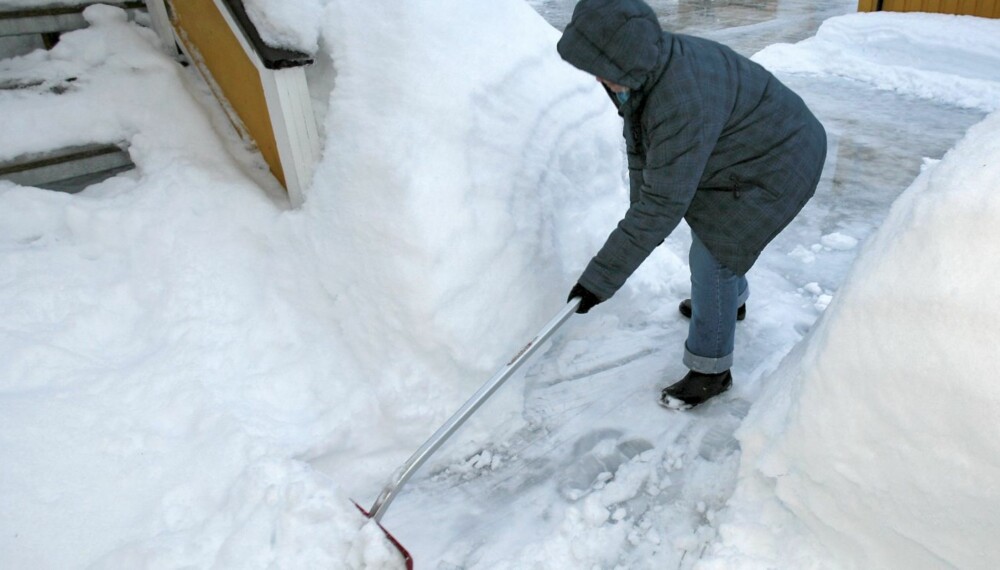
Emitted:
<point x="636" y="163"/>
<point x="678" y="150"/>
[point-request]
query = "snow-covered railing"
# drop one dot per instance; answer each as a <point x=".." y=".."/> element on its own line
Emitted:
<point x="262" y="88"/>
<point x="982" y="8"/>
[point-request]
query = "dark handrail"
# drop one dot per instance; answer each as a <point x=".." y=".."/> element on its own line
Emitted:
<point x="272" y="57"/>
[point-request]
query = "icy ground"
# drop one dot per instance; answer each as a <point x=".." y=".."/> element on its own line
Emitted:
<point x="191" y="375"/>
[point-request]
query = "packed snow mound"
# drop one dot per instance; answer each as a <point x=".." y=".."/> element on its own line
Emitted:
<point x="934" y="56"/>
<point x="158" y="382"/>
<point x="246" y="368"/>
<point x="468" y="175"/>
<point x="879" y="432"/>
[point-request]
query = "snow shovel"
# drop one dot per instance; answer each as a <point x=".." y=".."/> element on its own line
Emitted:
<point x="405" y="471"/>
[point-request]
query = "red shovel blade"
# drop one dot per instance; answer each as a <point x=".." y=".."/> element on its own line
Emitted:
<point x="406" y="555"/>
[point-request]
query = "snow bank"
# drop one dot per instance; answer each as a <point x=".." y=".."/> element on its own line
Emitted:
<point x="466" y="173"/>
<point x="953" y="59"/>
<point x="153" y="390"/>
<point x="878" y="433"/>
<point x="184" y="362"/>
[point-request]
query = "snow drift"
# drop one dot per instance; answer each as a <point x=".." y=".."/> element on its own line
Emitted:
<point x="945" y="58"/>
<point x="177" y="327"/>
<point x="462" y="159"/>
<point x="879" y="431"/>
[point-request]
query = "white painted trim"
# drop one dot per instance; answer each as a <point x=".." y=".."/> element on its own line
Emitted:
<point x="292" y="120"/>
<point x="161" y="25"/>
<point x="287" y="94"/>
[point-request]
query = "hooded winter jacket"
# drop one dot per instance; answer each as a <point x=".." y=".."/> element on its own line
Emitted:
<point x="711" y="137"/>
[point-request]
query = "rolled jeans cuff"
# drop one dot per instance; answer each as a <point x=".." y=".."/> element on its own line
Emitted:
<point x="707" y="365"/>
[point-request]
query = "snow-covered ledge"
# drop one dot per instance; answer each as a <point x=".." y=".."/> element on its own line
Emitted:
<point x="263" y="89"/>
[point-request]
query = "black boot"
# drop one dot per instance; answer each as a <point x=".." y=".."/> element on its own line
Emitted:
<point x="695" y="388"/>
<point x="685" y="309"/>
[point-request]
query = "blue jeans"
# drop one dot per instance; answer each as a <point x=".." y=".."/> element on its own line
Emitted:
<point x="716" y="294"/>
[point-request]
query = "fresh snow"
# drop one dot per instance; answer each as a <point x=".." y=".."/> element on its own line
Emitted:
<point x="194" y="375"/>
<point x="292" y="25"/>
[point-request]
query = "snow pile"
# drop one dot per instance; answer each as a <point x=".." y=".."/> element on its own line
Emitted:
<point x="954" y="59"/>
<point x="180" y="353"/>
<point x="155" y="390"/>
<point x="879" y="432"/>
<point x="468" y="174"/>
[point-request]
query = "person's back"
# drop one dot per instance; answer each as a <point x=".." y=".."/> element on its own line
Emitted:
<point x="756" y="105"/>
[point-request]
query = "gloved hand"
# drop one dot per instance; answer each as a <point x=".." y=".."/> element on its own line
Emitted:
<point x="587" y="299"/>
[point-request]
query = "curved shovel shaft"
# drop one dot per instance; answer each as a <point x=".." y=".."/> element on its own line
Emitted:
<point x="406" y="471"/>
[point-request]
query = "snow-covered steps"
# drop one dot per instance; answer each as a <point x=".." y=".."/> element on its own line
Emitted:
<point x="25" y="28"/>
<point x="69" y="169"/>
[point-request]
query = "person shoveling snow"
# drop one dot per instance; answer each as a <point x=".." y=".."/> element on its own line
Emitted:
<point x="712" y="138"/>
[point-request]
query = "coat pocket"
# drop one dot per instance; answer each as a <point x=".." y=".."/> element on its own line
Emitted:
<point x="741" y="188"/>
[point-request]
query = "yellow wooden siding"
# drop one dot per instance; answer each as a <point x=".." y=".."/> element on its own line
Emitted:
<point x="205" y="32"/>
<point x="982" y="8"/>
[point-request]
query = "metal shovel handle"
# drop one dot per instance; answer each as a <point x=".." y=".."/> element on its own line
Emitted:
<point x="403" y="474"/>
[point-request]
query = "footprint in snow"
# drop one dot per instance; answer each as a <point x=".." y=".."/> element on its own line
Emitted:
<point x="598" y="456"/>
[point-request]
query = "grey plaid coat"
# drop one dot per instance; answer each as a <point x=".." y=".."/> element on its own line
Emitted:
<point x="711" y="137"/>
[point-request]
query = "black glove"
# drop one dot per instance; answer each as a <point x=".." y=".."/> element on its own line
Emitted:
<point x="587" y="299"/>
